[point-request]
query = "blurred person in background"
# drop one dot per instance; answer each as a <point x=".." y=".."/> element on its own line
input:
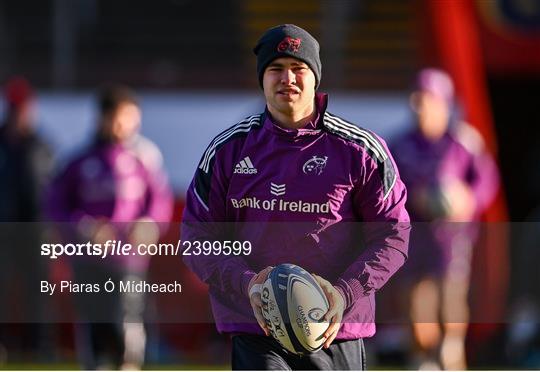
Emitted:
<point x="26" y="162"/>
<point x="451" y="180"/>
<point x="115" y="189"/>
<point x="523" y="329"/>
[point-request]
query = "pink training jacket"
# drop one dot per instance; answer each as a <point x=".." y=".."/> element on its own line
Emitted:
<point x="326" y="197"/>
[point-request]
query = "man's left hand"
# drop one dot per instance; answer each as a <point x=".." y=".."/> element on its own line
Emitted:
<point x="334" y="315"/>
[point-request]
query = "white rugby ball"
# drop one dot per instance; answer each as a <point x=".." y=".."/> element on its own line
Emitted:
<point x="293" y="306"/>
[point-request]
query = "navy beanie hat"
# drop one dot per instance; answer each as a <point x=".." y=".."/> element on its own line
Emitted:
<point x="288" y="41"/>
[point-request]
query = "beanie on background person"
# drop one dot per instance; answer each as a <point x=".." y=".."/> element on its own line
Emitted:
<point x="436" y="82"/>
<point x="288" y="41"/>
<point x="17" y="92"/>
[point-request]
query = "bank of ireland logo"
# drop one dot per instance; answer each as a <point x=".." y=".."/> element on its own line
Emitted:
<point x="315" y="165"/>
<point x="277" y="190"/>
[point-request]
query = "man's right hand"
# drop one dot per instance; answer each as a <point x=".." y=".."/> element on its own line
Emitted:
<point x="334" y="316"/>
<point x="255" y="297"/>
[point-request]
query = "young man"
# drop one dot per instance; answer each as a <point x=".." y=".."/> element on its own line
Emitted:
<point x="26" y="163"/>
<point x="293" y="181"/>
<point x="115" y="190"/>
<point x="456" y="182"/>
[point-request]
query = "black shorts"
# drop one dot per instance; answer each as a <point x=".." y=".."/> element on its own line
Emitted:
<point x="251" y="352"/>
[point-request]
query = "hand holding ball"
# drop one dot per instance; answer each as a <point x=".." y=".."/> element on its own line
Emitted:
<point x="293" y="307"/>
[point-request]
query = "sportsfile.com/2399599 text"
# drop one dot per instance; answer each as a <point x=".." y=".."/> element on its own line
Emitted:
<point x="119" y="248"/>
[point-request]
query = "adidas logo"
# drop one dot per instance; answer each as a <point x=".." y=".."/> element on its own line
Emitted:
<point x="277" y="190"/>
<point x="245" y="166"/>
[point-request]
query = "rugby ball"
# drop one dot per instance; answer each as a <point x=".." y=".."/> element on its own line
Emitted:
<point x="293" y="307"/>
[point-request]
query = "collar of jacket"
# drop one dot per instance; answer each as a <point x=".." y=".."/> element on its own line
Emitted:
<point x="312" y="128"/>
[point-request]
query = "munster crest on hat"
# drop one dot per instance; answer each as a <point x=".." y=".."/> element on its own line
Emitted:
<point x="289" y="44"/>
